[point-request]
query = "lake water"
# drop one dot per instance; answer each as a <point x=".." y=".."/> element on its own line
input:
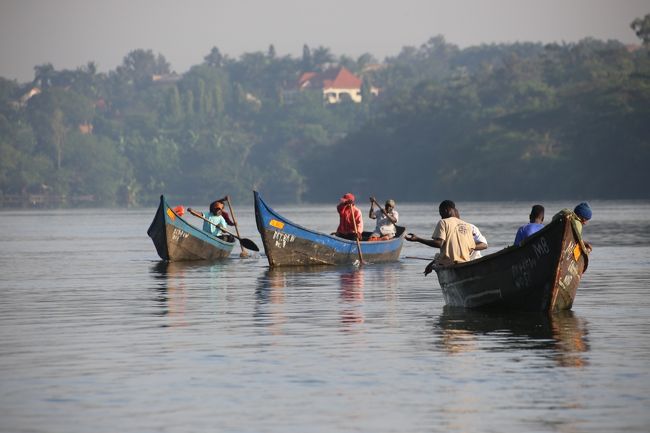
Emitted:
<point x="97" y="335"/>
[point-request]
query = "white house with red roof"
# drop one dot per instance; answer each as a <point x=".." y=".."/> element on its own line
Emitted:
<point x="337" y="84"/>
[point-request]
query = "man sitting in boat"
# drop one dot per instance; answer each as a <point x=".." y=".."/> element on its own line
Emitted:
<point x="224" y="213"/>
<point x="536" y="219"/>
<point x="479" y="239"/>
<point x="215" y="219"/>
<point x="452" y="235"/>
<point x="350" y="218"/>
<point x="386" y="219"/>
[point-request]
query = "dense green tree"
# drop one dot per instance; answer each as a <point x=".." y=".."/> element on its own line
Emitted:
<point x="271" y="52"/>
<point x="44" y="75"/>
<point x="214" y="58"/>
<point x="53" y="113"/>
<point x="321" y="58"/>
<point x="493" y="121"/>
<point x="174" y="109"/>
<point x="641" y="27"/>
<point x="307" y="63"/>
<point x="139" y="67"/>
<point x="95" y="167"/>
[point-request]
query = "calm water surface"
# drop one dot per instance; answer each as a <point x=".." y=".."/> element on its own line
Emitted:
<point x="96" y="334"/>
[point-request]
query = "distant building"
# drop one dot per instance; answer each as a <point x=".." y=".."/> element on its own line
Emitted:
<point x="337" y="84"/>
<point x="166" y="78"/>
<point x="86" y="128"/>
<point x="22" y="101"/>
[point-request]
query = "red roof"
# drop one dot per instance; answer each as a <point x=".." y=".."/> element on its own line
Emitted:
<point x="337" y="78"/>
<point x="307" y="79"/>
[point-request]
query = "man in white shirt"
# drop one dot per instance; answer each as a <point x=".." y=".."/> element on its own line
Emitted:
<point x="386" y="220"/>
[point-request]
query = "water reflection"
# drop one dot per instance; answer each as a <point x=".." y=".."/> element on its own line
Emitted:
<point x="288" y="285"/>
<point x="174" y="278"/>
<point x="172" y="293"/>
<point x="270" y="298"/>
<point x="352" y="284"/>
<point x="270" y="287"/>
<point x="560" y="336"/>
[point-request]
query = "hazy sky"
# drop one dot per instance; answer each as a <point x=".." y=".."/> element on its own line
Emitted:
<point x="70" y="33"/>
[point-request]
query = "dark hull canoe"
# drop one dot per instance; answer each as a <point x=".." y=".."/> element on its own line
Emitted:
<point x="177" y="240"/>
<point x="541" y="275"/>
<point x="288" y="244"/>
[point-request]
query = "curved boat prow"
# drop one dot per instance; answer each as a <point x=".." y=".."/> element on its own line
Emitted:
<point x="177" y="240"/>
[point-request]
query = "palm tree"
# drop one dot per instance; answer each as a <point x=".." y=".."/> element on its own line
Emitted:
<point x="321" y="57"/>
<point x="44" y="75"/>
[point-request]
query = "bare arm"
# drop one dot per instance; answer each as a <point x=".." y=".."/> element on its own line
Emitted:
<point x="480" y="246"/>
<point x="435" y="243"/>
<point x="390" y="217"/>
<point x="371" y="214"/>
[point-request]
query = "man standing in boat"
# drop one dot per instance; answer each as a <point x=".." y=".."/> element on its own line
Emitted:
<point x="350" y="218"/>
<point x="452" y="235"/>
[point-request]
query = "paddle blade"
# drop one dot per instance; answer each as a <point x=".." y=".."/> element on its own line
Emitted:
<point x="248" y="244"/>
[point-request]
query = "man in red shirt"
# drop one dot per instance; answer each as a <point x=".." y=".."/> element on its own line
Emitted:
<point x="350" y="218"/>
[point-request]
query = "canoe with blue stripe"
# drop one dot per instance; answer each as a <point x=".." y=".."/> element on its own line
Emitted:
<point x="177" y="240"/>
<point x="289" y="244"/>
<point x="542" y="274"/>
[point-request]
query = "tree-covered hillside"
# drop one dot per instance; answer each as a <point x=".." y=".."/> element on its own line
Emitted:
<point x="489" y="122"/>
<point x="526" y="122"/>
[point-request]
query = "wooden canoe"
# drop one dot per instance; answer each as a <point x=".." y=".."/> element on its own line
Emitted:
<point x="540" y="275"/>
<point x="177" y="240"/>
<point x="288" y="244"/>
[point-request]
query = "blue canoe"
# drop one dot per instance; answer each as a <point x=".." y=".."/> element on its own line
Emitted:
<point x="177" y="240"/>
<point x="288" y="244"/>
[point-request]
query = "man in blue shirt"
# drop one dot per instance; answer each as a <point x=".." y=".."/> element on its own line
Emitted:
<point x="535" y="225"/>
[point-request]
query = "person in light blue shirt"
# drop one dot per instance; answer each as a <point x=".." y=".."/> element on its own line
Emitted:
<point x="215" y="217"/>
<point x="535" y="225"/>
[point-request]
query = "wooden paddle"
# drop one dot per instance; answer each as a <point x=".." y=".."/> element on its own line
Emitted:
<point x="356" y="232"/>
<point x="244" y="241"/>
<point x="243" y="253"/>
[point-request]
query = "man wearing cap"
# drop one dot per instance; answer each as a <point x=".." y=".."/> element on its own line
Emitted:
<point x="582" y="214"/>
<point x="386" y="220"/>
<point x="350" y="218"/>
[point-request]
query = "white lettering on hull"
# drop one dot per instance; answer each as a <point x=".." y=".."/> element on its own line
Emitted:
<point x="521" y="271"/>
<point x="282" y="239"/>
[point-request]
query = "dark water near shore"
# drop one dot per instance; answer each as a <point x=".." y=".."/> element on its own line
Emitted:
<point x="97" y="335"/>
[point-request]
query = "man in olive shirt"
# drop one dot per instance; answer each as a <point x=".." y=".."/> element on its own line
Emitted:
<point x="452" y="235"/>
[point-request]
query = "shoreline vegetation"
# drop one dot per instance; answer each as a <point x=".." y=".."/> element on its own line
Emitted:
<point x="518" y="121"/>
